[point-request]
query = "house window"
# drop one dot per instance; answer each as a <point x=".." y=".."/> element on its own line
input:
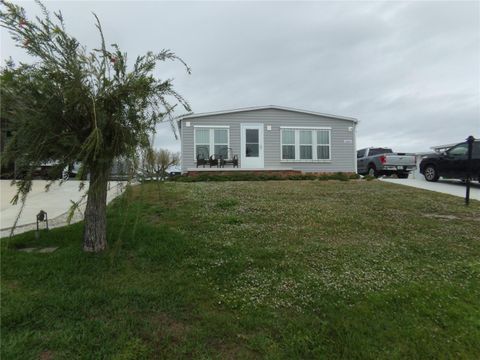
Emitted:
<point x="220" y="141"/>
<point x="305" y="144"/>
<point x="323" y="144"/>
<point x="306" y="152"/>
<point x="288" y="144"/>
<point x="202" y="143"/>
<point x="211" y="141"/>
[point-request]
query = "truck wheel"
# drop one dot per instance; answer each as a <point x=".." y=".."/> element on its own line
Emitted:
<point x="402" y="175"/>
<point x="372" y="171"/>
<point x="430" y="173"/>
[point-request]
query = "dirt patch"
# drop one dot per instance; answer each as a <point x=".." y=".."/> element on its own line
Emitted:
<point x="46" y="355"/>
<point x="166" y="326"/>
<point x="12" y="285"/>
<point x="233" y="351"/>
<point x="452" y="217"/>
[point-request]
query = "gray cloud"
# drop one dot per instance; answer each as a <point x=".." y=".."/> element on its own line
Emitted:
<point x="410" y="71"/>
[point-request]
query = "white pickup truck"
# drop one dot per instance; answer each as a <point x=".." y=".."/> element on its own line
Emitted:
<point x="383" y="161"/>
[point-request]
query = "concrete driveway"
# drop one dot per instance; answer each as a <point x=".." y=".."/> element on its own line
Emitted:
<point x="56" y="202"/>
<point x="452" y="187"/>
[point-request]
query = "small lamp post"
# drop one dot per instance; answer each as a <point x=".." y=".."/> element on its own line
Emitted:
<point x="470" y="141"/>
<point x="41" y="217"/>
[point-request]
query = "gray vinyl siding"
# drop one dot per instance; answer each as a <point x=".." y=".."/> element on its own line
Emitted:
<point x="343" y="156"/>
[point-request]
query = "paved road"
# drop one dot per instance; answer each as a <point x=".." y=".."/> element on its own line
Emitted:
<point x="452" y="187"/>
<point x="56" y="202"/>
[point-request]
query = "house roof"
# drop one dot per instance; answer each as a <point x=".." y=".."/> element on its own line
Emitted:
<point x="193" y="115"/>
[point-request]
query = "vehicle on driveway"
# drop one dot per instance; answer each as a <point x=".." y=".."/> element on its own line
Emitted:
<point x="383" y="161"/>
<point x="452" y="163"/>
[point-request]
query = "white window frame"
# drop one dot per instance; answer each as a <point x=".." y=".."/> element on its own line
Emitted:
<point x="298" y="144"/>
<point x="329" y="145"/>
<point x="211" y="145"/>
<point x="295" y="143"/>
<point x="195" y="143"/>
<point x="313" y="129"/>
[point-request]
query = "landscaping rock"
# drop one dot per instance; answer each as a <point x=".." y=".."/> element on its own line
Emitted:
<point x="446" y="217"/>
<point x="44" y="250"/>
<point x="48" y="249"/>
<point x="30" y="249"/>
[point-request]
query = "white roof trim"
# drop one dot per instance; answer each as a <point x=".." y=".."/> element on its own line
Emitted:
<point x="307" y="127"/>
<point x="191" y="116"/>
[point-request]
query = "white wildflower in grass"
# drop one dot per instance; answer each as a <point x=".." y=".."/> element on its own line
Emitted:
<point x="277" y="269"/>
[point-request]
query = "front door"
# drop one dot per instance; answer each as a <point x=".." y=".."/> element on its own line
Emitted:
<point x="252" y="146"/>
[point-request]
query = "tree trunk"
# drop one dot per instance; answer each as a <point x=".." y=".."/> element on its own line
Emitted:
<point x="95" y="231"/>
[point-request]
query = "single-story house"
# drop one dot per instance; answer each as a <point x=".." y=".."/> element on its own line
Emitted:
<point x="270" y="138"/>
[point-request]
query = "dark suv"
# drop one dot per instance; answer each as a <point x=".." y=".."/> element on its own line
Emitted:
<point x="452" y="163"/>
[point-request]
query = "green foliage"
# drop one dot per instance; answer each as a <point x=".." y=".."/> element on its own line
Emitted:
<point x="340" y="176"/>
<point x="250" y="176"/>
<point x="233" y="220"/>
<point x="279" y="270"/>
<point x="72" y="104"/>
<point x="227" y="203"/>
<point x="155" y="163"/>
<point x="134" y="349"/>
<point x="303" y="177"/>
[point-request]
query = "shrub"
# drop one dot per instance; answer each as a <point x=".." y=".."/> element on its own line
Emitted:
<point x="339" y="176"/>
<point x="250" y="176"/>
<point x="303" y="177"/>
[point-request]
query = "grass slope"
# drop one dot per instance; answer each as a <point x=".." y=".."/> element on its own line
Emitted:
<point x="280" y="269"/>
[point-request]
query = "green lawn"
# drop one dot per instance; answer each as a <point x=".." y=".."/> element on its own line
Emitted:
<point x="277" y="269"/>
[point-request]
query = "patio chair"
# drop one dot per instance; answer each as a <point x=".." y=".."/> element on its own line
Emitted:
<point x="230" y="160"/>
<point x="201" y="160"/>
<point x="233" y="161"/>
<point x="213" y="160"/>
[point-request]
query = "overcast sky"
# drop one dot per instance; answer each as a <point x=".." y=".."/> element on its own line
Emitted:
<point x="409" y="71"/>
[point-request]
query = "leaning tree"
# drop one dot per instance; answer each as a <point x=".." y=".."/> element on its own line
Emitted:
<point x="72" y="105"/>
